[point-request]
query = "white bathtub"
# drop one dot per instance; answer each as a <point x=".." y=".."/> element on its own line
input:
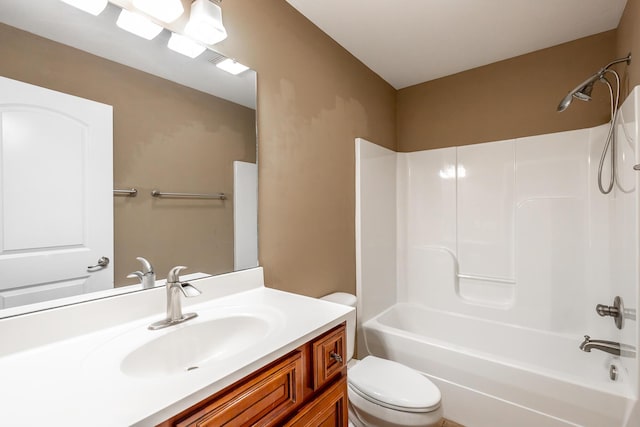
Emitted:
<point x="493" y="374"/>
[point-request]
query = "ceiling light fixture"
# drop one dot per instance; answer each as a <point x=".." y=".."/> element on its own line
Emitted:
<point x="185" y="45"/>
<point x="163" y="10"/>
<point x="94" y="7"/>
<point x="205" y="22"/>
<point x="138" y="25"/>
<point x="231" y="66"/>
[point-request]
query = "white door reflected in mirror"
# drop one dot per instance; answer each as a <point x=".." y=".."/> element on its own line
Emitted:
<point x="53" y="230"/>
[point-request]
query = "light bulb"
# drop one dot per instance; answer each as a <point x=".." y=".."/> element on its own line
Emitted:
<point x="205" y="22"/>
<point x="231" y="66"/>
<point x="138" y="25"/>
<point x="185" y="45"/>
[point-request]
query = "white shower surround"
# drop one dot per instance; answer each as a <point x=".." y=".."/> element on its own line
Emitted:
<point x="513" y="234"/>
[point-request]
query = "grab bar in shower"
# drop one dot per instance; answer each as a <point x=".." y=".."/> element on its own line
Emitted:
<point x="132" y="192"/>
<point x="218" y="196"/>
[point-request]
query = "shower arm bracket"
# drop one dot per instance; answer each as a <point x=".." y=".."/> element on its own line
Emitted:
<point x="626" y="59"/>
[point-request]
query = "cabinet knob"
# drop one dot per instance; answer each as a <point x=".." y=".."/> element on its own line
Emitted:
<point x="335" y="356"/>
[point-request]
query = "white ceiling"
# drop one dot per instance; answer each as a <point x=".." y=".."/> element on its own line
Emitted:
<point x="100" y="36"/>
<point x="408" y="42"/>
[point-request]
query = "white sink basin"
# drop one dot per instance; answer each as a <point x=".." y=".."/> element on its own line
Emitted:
<point x="207" y="341"/>
<point x="191" y="345"/>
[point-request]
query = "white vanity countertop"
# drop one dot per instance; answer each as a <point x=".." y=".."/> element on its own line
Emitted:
<point x="78" y="381"/>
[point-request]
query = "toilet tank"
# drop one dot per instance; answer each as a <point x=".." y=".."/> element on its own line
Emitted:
<point x="350" y="300"/>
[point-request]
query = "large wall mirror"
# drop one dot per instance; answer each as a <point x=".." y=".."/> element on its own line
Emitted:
<point x="179" y="125"/>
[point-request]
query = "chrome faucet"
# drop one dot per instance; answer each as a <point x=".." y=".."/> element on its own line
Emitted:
<point x="174" y="303"/>
<point x="610" y="347"/>
<point x="147" y="276"/>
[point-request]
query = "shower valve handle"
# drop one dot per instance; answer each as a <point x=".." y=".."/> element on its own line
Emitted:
<point x="607" y="310"/>
<point x="616" y="311"/>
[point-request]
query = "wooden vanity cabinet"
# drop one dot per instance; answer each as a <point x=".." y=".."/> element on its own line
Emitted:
<point x="327" y="410"/>
<point x="307" y="387"/>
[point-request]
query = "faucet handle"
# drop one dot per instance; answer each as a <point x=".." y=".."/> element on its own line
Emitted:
<point x="616" y="311"/>
<point x="187" y="289"/>
<point x="174" y="274"/>
<point x="146" y="265"/>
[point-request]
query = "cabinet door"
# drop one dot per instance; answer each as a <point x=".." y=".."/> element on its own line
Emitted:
<point x="329" y="356"/>
<point x="329" y="410"/>
<point x="262" y="401"/>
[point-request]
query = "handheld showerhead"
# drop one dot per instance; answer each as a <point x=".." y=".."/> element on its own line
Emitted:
<point x="583" y="93"/>
<point x="583" y="90"/>
<point x="566" y="101"/>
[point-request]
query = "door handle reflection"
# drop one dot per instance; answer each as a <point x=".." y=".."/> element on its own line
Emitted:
<point x="102" y="263"/>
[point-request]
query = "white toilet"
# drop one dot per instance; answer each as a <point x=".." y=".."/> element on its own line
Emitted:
<point x="383" y="393"/>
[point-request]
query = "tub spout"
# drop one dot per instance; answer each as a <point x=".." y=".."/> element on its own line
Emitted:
<point x="610" y="347"/>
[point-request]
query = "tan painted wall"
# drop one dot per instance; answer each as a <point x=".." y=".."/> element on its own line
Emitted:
<point x="507" y="99"/>
<point x="314" y="98"/>
<point x="629" y="41"/>
<point x="166" y="136"/>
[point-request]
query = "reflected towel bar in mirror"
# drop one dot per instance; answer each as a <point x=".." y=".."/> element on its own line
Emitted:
<point x="218" y="196"/>
<point x="132" y="192"/>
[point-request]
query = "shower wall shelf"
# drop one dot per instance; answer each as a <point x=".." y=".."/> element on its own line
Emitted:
<point x="218" y="196"/>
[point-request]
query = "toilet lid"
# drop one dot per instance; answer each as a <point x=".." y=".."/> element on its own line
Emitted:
<point x="393" y="385"/>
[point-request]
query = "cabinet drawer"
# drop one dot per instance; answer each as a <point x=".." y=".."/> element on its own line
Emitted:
<point x="261" y="401"/>
<point x="329" y="356"/>
<point x="328" y="410"/>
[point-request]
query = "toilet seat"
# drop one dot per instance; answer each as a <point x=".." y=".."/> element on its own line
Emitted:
<point x="393" y="385"/>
